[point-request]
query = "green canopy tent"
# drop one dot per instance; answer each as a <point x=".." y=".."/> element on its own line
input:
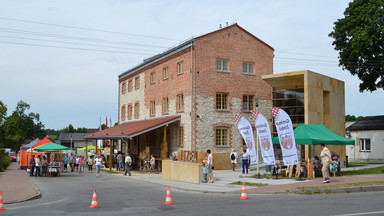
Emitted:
<point x="315" y="134"/>
<point x="51" y="147"/>
<point x="89" y="148"/>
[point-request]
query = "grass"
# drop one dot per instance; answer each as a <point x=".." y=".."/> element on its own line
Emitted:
<point x="110" y="171"/>
<point x="357" y="164"/>
<point x="326" y="189"/>
<point x="250" y="184"/>
<point x="377" y="170"/>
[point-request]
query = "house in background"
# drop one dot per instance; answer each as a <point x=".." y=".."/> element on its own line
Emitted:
<point x="369" y="136"/>
<point x="76" y="140"/>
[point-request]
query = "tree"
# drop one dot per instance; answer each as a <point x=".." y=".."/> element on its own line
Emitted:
<point x="3" y="112"/>
<point x="20" y="126"/>
<point x="359" y="38"/>
<point x="353" y="118"/>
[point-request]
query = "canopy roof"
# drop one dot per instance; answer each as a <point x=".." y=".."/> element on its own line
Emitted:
<point x="315" y="134"/>
<point x="91" y="147"/>
<point x="42" y="142"/>
<point x="51" y="147"/>
<point x="29" y="145"/>
<point x="134" y="128"/>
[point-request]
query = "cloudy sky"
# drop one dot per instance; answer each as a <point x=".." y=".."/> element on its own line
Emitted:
<point x="64" y="57"/>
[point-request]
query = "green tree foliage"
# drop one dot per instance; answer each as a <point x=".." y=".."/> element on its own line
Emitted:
<point x="3" y="112"/>
<point x="20" y="126"/>
<point x="353" y="118"/>
<point x="359" y="38"/>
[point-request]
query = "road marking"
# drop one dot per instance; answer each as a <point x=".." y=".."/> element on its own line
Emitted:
<point x="365" y="213"/>
<point x="42" y="204"/>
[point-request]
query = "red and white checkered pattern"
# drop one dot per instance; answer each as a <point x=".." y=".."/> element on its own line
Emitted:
<point x="238" y="118"/>
<point x="275" y="111"/>
<point x="254" y="115"/>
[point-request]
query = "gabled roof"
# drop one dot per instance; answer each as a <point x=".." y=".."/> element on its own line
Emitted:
<point x="28" y="146"/>
<point x="368" y="123"/>
<point x="133" y="128"/>
<point x="72" y="136"/>
<point x="185" y="45"/>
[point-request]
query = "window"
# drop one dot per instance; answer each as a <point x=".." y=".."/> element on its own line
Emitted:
<point x="165" y="105"/>
<point x="222" y="136"/>
<point x="247" y="103"/>
<point x="153" y="77"/>
<point x="129" y="112"/>
<point x="165" y="73"/>
<point x="365" y="145"/>
<point x="137" y="83"/>
<point x="152" y="109"/>
<point x="137" y="111"/>
<point x="123" y="88"/>
<point x="221" y="65"/>
<point x="123" y="113"/>
<point x="130" y="85"/>
<point x="180" y="67"/>
<point x="221" y="101"/>
<point x="248" y="68"/>
<point x="180" y="136"/>
<point x="179" y="103"/>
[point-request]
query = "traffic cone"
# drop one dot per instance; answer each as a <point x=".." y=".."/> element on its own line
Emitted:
<point x="94" y="201"/>
<point x="168" y="198"/>
<point x="1" y="202"/>
<point x="243" y="193"/>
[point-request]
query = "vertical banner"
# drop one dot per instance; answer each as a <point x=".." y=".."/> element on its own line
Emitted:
<point x="245" y="129"/>
<point x="265" y="139"/>
<point x="286" y="136"/>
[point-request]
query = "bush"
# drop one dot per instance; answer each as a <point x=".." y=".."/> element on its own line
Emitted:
<point x="6" y="161"/>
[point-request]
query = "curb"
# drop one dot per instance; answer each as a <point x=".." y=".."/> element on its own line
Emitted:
<point x="338" y="190"/>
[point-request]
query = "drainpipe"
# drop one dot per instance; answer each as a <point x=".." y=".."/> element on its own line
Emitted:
<point x="193" y="148"/>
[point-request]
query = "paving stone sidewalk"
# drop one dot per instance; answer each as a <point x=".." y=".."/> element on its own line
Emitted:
<point x="16" y="185"/>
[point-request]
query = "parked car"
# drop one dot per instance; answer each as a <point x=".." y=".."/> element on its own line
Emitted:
<point x="12" y="156"/>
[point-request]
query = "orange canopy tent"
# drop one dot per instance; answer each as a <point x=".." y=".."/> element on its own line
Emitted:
<point x="42" y="142"/>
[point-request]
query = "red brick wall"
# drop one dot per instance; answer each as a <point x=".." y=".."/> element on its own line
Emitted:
<point x="236" y="46"/>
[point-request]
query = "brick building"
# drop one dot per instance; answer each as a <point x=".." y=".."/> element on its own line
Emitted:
<point x="203" y="83"/>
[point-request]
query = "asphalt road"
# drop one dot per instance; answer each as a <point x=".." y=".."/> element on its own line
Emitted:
<point x="71" y="194"/>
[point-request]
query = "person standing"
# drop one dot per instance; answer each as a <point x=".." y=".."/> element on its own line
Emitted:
<point x="71" y="160"/>
<point x="210" y="166"/>
<point x="98" y="165"/>
<point x="44" y="165"/>
<point x="245" y="161"/>
<point x="128" y="163"/>
<point x="326" y="160"/>
<point x="90" y="164"/>
<point x="80" y="164"/>
<point x="32" y="165"/>
<point x="38" y="165"/>
<point x="152" y="162"/>
<point x="233" y="157"/>
<point x="120" y="162"/>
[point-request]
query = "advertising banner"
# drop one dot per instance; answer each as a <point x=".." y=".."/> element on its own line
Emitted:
<point x="286" y="136"/>
<point x="245" y="129"/>
<point x="265" y="139"/>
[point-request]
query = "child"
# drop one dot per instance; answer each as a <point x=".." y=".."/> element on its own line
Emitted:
<point x="205" y="172"/>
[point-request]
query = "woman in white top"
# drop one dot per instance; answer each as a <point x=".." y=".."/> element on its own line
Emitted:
<point x="98" y="164"/>
<point x="210" y="166"/>
<point x="233" y="157"/>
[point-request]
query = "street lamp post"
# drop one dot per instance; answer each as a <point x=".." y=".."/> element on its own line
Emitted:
<point x="71" y="143"/>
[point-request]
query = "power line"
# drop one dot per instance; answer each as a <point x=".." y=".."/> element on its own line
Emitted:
<point x="17" y="31"/>
<point x="73" y="48"/>
<point x="88" y="29"/>
<point x="81" y="44"/>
